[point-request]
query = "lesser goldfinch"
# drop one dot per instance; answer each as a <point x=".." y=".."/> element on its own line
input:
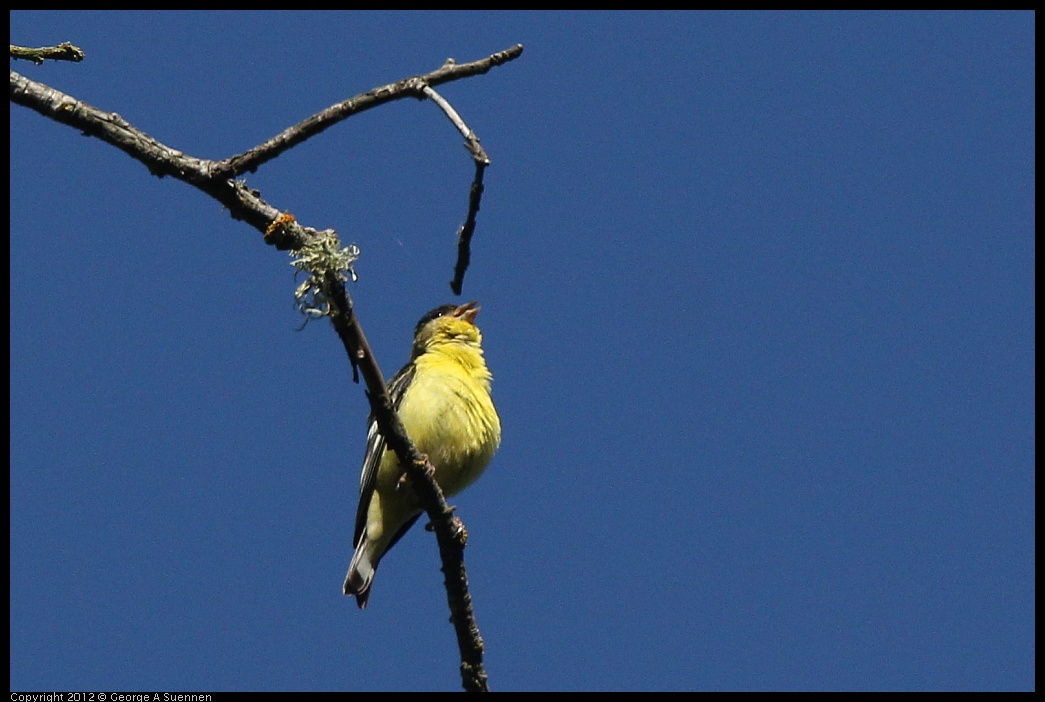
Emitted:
<point x="442" y="396"/>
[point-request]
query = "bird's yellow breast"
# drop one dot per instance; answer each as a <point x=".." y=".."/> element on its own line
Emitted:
<point x="449" y="415"/>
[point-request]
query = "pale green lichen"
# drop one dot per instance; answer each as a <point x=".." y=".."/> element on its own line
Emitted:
<point x="320" y="257"/>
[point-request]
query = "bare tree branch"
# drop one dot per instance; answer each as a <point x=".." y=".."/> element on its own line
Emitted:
<point x="280" y="229"/>
<point x="475" y="194"/>
<point x="216" y="178"/>
<point x="407" y="88"/>
<point x="63" y="52"/>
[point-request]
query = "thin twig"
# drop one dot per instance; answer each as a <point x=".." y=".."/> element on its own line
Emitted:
<point x="464" y="234"/>
<point x="63" y="52"/>
<point x="475" y="193"/>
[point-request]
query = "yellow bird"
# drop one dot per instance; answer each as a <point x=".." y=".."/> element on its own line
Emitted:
<point x="442" y="396"/>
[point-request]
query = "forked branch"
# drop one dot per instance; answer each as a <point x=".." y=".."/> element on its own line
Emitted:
<point x="221" y="180"/>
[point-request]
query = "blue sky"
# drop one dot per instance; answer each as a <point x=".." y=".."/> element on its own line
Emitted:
<point x="758" y="295"/>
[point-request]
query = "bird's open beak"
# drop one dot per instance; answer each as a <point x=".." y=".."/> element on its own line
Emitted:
<point x="468" y="311"/>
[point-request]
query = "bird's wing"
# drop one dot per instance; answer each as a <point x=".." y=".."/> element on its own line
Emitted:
<point x="375" y="448"/>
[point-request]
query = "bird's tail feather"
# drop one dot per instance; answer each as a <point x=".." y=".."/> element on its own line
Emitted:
<point x="360" y="574"/>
